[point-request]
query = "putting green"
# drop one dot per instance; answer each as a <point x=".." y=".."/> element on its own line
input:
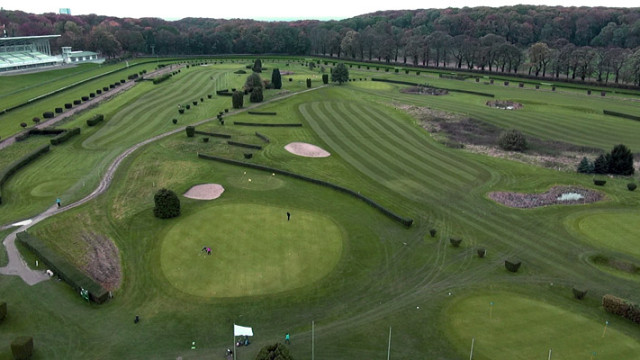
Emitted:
<point x="523" y="328"/>
<point x="48" y="188"/>
<point x="615" y="230"/>
<point x="255" y="250"/>
<point x="255" y="180"/>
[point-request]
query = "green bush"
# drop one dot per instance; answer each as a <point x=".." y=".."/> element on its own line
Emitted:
<point x="181" y="111"/>
<point x="601" y="164"/>
<point x="167" y="204"/>
<point x="68" y="106"/>
<point x="191" y="131"/>
<point x="174" y="121"/>
<point x="325" y="78"/>
<point x="3" y="310"/>
<point x="512" y="140"/>
<point x="276" y="79"/>
<point x="22" y="348"/>
<point x="241" y="71"/>
<point x="599" y="182"/>
<point x="58" y="110"/>
<point x="188" y="106"/>
<point x="237" y="99"/>
<point x="160" y="79"/>
<point x="455" y="242"/>
<point x="433" y="232"/>
<point x="585" y="166"/>
<point x="77" y="102"/>
<point x="47" y="114"/>
<point x="253" y="81"/>
<point x="276" y="351"/>
<point x="256" y="95"/>
<point x="631" y="186"/>
<point x="512" y="266"/>
<point x="85" y="98"/>
<point x="205" y="139"/>
<point x="65" y="136"/>
<point x="579" y="294"/>
<point x="482" y="252"/>
<point x="308" y="82"/>
<point x="95" y="120"/>
<point x="620" y="160"/>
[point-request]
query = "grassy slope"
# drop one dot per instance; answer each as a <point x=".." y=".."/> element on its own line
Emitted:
<point x="385" y="271"/>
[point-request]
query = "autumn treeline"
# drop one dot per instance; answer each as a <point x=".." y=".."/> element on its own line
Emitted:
<point x="592" y="44"/>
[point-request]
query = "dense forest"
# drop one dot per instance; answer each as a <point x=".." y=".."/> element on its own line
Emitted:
<point x="588" y="44"/>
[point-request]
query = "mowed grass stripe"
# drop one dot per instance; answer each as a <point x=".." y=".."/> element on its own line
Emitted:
<point x="392" y="149"/>
<point x="406" y="135"/>
<point x="362" y="155"/>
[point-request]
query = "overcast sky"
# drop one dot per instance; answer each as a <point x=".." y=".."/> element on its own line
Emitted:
<point x="263" y="9"/>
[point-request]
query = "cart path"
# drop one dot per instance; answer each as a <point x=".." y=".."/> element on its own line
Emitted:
<point x="16" y="265"/>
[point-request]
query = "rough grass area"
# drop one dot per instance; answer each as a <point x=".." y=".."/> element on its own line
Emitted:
<point x="557" y="195"/>
<point x="517" y="327"/>
<point x="103" y="261"/>
<point x="616" y="231"/>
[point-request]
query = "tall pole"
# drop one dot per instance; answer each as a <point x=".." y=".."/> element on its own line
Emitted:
<point x="389" y="348"/>
<point x="313" y="339"/>
<point x="234" y="341"/>
<point x="471" y="353"/>
<point x="549" y="354"/>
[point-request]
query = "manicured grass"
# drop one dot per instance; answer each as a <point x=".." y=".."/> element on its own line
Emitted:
<point x="255" y="250"/>
<point x="517" y="327"/>
<point x="386" y="274"/>
<point x="614" y="230"/>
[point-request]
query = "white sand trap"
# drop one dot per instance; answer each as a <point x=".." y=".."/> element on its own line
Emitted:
<point x="306" y="150"/>
<point x="205" y="192"/>
<point x="22" y="223"/>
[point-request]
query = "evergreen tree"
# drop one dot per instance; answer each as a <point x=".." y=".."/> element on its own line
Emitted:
<point x="601" y="165"/>
<point x="620" y="161"/>
<point x="257" y="66"/>
<point x="276" y="79"/>
<point x="276" y="351"/>
<point x="253" y="81"/>
<point x="585" y="166"/>
<point x="167" y="204"/>
<point x="237" y="99"/>
<point x="256" y="95"/>
<point x="340" y="74"/>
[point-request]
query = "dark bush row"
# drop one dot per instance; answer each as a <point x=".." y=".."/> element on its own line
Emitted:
<point x="262" y="112"/>
<point x="132" y="76"/>
<point x="454" y="76"/>
<point x="626" y="116"/>
<point x="248" y="146"/>
<point x="263" y="137"/>
<point x="162" y="78"/>
<point x="268" y="125"/>
<point x="18" y="164"/>
<point x="63" y="269"/>
<point x="85" y="98"/>
<point x="68" y="106"/>
<point x="451" y="90"/>
<point x="65" y="136"/>
<point x="47" y="114"/>
<point x="621" y="307"/>
<point x="599" y="182"/>
<point x="77" y="102"/>
<point x="95" y="120"/>
<point x="218" y="135"/>
<point x="385" y="211"/>
<point x="58" y="110"/>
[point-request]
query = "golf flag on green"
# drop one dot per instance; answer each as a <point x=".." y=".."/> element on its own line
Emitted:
<point x="242" y="330"/>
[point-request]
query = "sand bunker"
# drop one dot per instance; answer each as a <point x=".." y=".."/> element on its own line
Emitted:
<point x="567" y="195"/>
<point x="504" y="105"/>
<point x="205" y="192"/>
<point x="306" y="150"/>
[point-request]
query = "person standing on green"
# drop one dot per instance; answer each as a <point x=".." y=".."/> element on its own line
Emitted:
<point x="286" y="339"/>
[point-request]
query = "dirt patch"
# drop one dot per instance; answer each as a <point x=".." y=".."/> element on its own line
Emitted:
<point x="458" y="131"/>
<point x="306" y="150"/>
<point x="504" y="105"/>
<point x="103" y="261"/>
<point x="572" y="195"/>
<point x="424" y="90"/>
<point x="205" y="192"/>
<point x="286" y="72"/>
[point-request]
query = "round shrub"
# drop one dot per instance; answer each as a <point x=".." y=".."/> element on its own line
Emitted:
<point x="512" y="140"/>
<point x="122" y="81"/>
<point x="68" y="106"/>
<point x="167" y="204"/>
<point x="455" y="242"/>
<point x="248" y="155"/>
<point x="237" y="101"/>
<point x="482" y="252"/>
<point x="58" y="110"/>
<point x="174" y="121"/>
<point x="579" y="294"/>
<point x="36" y="120"/>
<point x="191" y="131"/>
<point x="92" y="95"/>
<point x="256" y="95"/>
<point x="77" y="102"/>
<point x="209" y="96"/>
<point x="181" y="111"/>
<point x="105" y="89"/>
<point x="111" y="86"/>
<point x="98" y="91"/>
<point x="631" y="186"/>
<point x="201" y="99"/>
<point x="188" y="106"/>
<point x="599" y="182"/>
<point x="195" y="103"/>
<point x="205" y="139"/>
<point x="226" y="110"/>
<point x="433" y="232"/>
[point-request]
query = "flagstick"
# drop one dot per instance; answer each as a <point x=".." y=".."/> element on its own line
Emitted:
<point x="471" y="354"/>
<point x="389" y="349"/>
<point x="313" y="340"/>
<point x="549" y="354"/>
<point x="605" y="327"/>
<point x="234" y="341"/>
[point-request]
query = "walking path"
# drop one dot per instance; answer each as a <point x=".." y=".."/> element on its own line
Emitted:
<point x="18" y="267"/>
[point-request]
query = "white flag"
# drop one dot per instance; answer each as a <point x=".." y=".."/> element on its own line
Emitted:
<point x="242" y="330"/>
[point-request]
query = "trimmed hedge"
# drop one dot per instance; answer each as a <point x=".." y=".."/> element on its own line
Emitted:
<point x="95" y="120"/>
<point x="248" y="155"/>
<point x="626" y="116"/>
<point x="482" y="252"/>
<point x="263" y="137"/>
<point x="162" y="78"/>
<point x="218" y="135"/>
<point x="241" y="123"/>
<point x="385" y="211"/>
<point x="599" y="182"/>
<point x="3" y="310"/>
<point x="18" y="164"/>
<point x="92" y="95"/>
<point x="77" y="102"/>
<point x="248" y="146"/>
<point x="85" y="98"/>
<point x="433" y="232"/>
<point x="48" y="114"/>
<point x="181" y="111"/>
<point x="621" y="307"/>
<point x="63" y="269"/>
<point x="262" y="112"/>
<point x="578" y="294"/>
<point x="512" y="266"/>
<point x="191" y="131"/>
<point x="65" y="136"/>
<point x="631" y="186"/>
<point x="22" y="348"/>
<point x="448" y="89"/>
<point x="68" y="106"/>
<point x="455" y="242"/>
<point x="58" y="110"/>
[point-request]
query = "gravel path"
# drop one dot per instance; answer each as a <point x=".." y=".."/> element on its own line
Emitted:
<point x="18" y="267"/>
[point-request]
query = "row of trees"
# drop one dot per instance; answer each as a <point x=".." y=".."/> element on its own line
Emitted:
<point x="580" y="43"/>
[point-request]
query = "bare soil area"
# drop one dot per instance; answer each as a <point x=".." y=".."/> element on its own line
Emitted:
<point x="551" y="197"/>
